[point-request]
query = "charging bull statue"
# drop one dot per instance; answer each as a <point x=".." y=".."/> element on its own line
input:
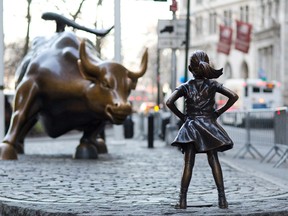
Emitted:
<point x="65" y="86"/>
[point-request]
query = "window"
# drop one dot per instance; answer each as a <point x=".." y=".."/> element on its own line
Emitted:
<point x="228" y="17"/>
<point x="213" y="23"/>
<point x="244" y="13"/>
<point x="241" y="13"/>
<point x="246" y="91"/>
<point x="276" y="11"/>
<point x="269" y="9"/>
<point x="267" y="64"/>
<point x="262" y="9"/>
<point x="199" y="25"/>
<point x="228" y="71"/>
<point x="269" y="12"/>
<point x="255" y="89"/>
<point x="268" y="90"/>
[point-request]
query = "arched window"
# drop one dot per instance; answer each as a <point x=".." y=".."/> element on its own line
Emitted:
<point x="244" y="73"/>
<point x="228" y="71"/>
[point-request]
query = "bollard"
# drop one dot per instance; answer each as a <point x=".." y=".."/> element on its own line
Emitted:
<point x="150" y="130"/>
<point x="128" y="127"/>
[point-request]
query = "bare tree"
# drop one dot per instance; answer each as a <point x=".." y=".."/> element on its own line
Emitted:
<point x="98" y="40"/>
<point x="78" y="12"/>
<point x="27" y="38"/>
<point x="13" y="55"/>
<point x="15" y="51"/>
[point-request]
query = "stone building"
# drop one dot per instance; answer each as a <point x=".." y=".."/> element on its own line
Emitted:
<point x="267" y="56"/>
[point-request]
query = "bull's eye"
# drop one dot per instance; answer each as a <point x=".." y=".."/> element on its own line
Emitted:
<point x="105" y="84"/>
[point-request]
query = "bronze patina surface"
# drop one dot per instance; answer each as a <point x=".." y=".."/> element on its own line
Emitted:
<point x="63" y="83"/>
<point x="200" y="132"/>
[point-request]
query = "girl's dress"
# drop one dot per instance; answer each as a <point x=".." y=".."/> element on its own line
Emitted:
<point x="201" y="128"/>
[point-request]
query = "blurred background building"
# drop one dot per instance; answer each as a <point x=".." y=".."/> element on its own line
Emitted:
<point x="248" y="38"/>
<point x="245" y="37"/>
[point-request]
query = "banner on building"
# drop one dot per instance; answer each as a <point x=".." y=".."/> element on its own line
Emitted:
<point x="225" y="39"/>
<point x="243" y="37"/>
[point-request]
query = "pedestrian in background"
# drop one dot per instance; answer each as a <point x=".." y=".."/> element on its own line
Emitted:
<point x="200" y="132"/>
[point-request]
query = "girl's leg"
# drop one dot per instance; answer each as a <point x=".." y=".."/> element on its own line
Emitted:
<point x="189" y="160"/>
<point x="218" y="177"/>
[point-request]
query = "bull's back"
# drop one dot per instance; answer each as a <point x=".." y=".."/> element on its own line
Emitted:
<point x="51" y="57"/>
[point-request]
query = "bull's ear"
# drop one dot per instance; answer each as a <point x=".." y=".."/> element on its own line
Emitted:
<point x="87" y="69"/>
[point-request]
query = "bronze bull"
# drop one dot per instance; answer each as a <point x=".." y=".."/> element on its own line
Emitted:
<point x="65" y="86"/>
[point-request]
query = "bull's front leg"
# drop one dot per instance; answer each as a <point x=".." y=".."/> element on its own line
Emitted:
<point x="23" y="118"/>
<point x="90" y="143"/>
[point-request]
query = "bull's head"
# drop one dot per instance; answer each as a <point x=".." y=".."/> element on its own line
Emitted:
<point x="110" y="86"/>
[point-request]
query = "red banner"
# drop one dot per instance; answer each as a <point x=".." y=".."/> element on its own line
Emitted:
<point x="225" y="39"/>
<point x="243" y="36"/>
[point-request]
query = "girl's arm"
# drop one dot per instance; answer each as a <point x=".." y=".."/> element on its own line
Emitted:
<point x="171" y="104"/>
<point x="232" y="98"/>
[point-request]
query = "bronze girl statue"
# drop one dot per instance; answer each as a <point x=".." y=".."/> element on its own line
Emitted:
<point x="200" y="132"/>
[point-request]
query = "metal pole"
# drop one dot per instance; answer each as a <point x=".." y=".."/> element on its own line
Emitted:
<point x="150" y="130"/>
<point x="171" y="128"/>
<point x="117" y="30"/>
<point x="187" y="40"/>
<point x="2" y="104"/>
<point x="118" y="129"/>
<point x="187" y="43"/>
<point x="173" y="75"/>
<point x="158" y="76"/>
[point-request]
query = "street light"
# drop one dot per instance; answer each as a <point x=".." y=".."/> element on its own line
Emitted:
<point x="2" y="116"/>
<point x="187" y="41"/>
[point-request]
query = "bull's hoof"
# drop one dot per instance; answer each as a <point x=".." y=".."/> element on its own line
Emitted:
<point x="101" y="146"/>
<point x="86" y="151"/>
<point x="7" y="152"/>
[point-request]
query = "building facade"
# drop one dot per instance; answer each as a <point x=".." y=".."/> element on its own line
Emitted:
<point x="267" y="57"/>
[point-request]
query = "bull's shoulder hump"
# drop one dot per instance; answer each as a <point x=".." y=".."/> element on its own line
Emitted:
<point x="68" y="42"/>
<point x="67" y="39"/>
<point x="71" y="53"/>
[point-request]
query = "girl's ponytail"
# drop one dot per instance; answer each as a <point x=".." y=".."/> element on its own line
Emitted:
<point x="199" y="64"/>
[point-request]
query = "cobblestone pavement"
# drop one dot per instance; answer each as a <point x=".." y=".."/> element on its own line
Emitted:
<point x="131" y="179"/>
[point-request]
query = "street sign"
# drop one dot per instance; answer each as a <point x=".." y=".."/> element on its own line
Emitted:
<point x="174" y="6"/>
<point x="171" y="33"/>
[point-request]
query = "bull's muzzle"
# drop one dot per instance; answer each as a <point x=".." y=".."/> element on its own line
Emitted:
<point x="117" y="113"/>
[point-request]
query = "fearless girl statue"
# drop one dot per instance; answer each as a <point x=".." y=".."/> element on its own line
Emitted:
<point x="200" y="132"/>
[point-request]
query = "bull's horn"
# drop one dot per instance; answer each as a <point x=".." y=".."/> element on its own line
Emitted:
<point x="143" y="67"/>
<point x="86" y="63"/>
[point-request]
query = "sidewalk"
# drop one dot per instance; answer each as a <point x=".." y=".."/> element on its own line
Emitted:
<point x="133" y="180"/>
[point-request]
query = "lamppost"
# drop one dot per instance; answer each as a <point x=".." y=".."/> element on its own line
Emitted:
<point x="118" y="129"/>
<point x="187" y="41"/>
<point x="172" y="128"/>
<point x="2" y="104"/>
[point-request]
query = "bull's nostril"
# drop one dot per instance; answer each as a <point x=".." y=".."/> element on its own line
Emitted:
<point x="116" y="104"/>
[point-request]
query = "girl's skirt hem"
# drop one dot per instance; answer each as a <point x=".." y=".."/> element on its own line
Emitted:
<point x="204" y="133"/>
<point x="219" y="148"/>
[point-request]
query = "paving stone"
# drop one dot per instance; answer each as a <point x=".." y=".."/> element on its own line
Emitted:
<point x="130" y="180"/>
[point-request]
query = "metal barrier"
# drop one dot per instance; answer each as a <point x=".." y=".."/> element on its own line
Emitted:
<point x="267" y="127"/>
